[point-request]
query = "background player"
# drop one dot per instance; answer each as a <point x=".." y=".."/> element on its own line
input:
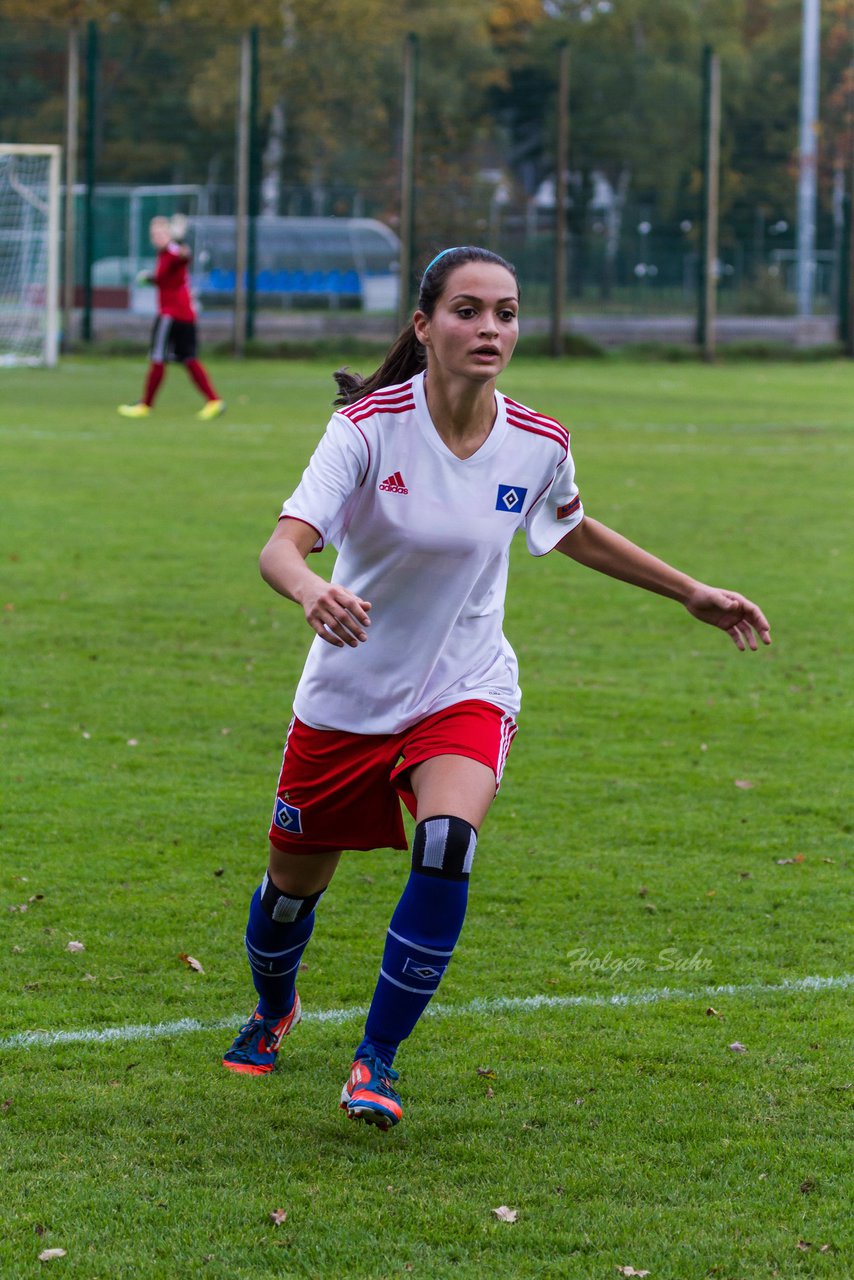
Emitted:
<point x="410" y="687"/>
<point x="174" y="334"/>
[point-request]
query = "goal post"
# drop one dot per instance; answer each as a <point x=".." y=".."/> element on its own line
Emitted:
<point x="29" y="253"/>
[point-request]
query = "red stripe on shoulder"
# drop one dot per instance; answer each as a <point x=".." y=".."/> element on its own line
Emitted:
<point x="386" y="399"/>
<point x="560" y="436"/>
<point x="542" y="418"/>
<point x="369" y="410"/>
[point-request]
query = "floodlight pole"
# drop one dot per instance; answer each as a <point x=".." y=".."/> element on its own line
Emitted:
<point x="707" y="302"/>
<point x="241" y="220"/>
<point x="89" y="198"/>
<point x="560" y="228"/>
<point x="72" y="114"/>
<point x="808" y="155"/>
<point x="254" y="178"/>
<point x="407" y="179"/>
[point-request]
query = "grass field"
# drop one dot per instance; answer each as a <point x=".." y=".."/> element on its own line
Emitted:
<point x="675" y="817"/>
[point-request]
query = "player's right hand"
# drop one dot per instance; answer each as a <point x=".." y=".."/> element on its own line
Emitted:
<point x="143" y="277"/>
<point x="338" y="616"/>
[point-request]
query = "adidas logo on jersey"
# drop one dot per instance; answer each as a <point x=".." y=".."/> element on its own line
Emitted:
<point x="394" y="484"/>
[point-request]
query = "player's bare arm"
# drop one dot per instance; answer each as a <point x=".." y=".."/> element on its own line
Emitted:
<point x="337" y="615"/>
<point x="595" y="545"/>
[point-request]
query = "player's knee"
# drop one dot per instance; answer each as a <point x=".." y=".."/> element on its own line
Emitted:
<point x="444" y="846"/>
<point x="285" y="908"/>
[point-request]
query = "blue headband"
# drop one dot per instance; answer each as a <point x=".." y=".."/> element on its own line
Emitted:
<point x="432" y="264"/>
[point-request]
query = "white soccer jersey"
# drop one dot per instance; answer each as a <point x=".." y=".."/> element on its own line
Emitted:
<point x="425" y="537"/>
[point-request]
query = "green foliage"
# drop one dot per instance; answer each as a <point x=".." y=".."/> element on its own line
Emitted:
<point x="148" y="681"/>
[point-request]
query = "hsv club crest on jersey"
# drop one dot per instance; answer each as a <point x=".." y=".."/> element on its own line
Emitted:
<point x="511" y="497"/>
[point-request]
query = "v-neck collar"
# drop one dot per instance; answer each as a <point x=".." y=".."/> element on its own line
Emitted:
<point x="428" y="427"/>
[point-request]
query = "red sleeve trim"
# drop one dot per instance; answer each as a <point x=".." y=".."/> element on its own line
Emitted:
<point x="299" y="520"/>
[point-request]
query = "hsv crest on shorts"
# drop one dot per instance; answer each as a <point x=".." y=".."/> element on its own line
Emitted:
<point x="394" y="484"/>
<point x="287" y="817"/>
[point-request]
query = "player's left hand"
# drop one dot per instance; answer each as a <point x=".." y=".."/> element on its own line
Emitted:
<point x="739" y="617"/>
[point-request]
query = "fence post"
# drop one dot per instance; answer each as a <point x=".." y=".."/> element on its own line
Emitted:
<point x="241" y="218"/>
<point x="254" y="186"/>
<point x="846" y="269"/>
<point x="88" y="205"/>
<point x="72" y="118"/>
<point x="407" y="178"/>
<point x="560" y="232"/>
<point x="707" y="300"/>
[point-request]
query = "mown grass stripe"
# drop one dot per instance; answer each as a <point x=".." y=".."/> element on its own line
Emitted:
<point x="480" y="1005"/>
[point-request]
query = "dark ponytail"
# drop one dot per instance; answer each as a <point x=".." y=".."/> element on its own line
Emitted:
<point x="407" y="356"/>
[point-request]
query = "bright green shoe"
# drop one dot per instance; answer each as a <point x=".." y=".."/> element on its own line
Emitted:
<point x="213" y="409"/>
<point x="135" y="410"/>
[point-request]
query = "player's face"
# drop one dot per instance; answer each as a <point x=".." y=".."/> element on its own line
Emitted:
<point x="159" y="232"/>
<point x="475" y="324"/>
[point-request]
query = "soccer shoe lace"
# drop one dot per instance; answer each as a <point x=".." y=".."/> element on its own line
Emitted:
<point x="257" y="1043"/>
<point x="368" y="1094"/>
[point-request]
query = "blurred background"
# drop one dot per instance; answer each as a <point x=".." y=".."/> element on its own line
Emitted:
<point x="324" y="150"/>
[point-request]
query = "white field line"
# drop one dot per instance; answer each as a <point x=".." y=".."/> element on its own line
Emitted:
<point x="480" y="1006"/>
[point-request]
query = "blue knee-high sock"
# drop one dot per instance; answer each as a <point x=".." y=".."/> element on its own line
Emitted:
<point x="423" y="932"/>
<point x="277" y="934"/>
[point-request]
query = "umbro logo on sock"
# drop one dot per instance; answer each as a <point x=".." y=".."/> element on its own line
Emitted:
<point x="394" y="484"/>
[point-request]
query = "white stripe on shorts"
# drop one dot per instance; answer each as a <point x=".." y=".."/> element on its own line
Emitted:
<point x="160" y="341"/>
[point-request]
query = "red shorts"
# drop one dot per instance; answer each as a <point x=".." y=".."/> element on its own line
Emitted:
<point x="342" y="790"/>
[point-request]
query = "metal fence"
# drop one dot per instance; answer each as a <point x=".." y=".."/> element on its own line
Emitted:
<point x="168" y="121"/>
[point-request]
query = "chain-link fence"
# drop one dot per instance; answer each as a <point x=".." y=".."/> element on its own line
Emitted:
<point x="166" y="113"/>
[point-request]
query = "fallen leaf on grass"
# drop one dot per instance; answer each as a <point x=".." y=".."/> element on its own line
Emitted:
<point x="744" y="875"/>
<point x="278" y="1216"/>
<point x="803" y="1245"/>
<point x="39" y="1228"/>
<point x="824" y="1248"/>
<point x="490" y="1093"/>
<point x="630" y="1271"/>
<point x="191" y="962"/>
<point x="744" y="784"/>
<point x="47" y="1255"/>
<point x="713" y="1013"/>
<point x="807" y="1186"/>
<point x="487" y="1072"/>
<point x="737" y="1047"/>
<point x="643" y="891"/>
<point x="5" y="1104"/>
<point x="785" y="862"/>
<point x="74" y="946"/>
<point x="503" y="1214"/>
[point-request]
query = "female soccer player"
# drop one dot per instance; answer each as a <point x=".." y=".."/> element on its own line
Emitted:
<point x="409" y="691"/>
<point x="174" y="334"/>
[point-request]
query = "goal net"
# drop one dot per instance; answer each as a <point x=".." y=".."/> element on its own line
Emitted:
<point x="29" y="254"/>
